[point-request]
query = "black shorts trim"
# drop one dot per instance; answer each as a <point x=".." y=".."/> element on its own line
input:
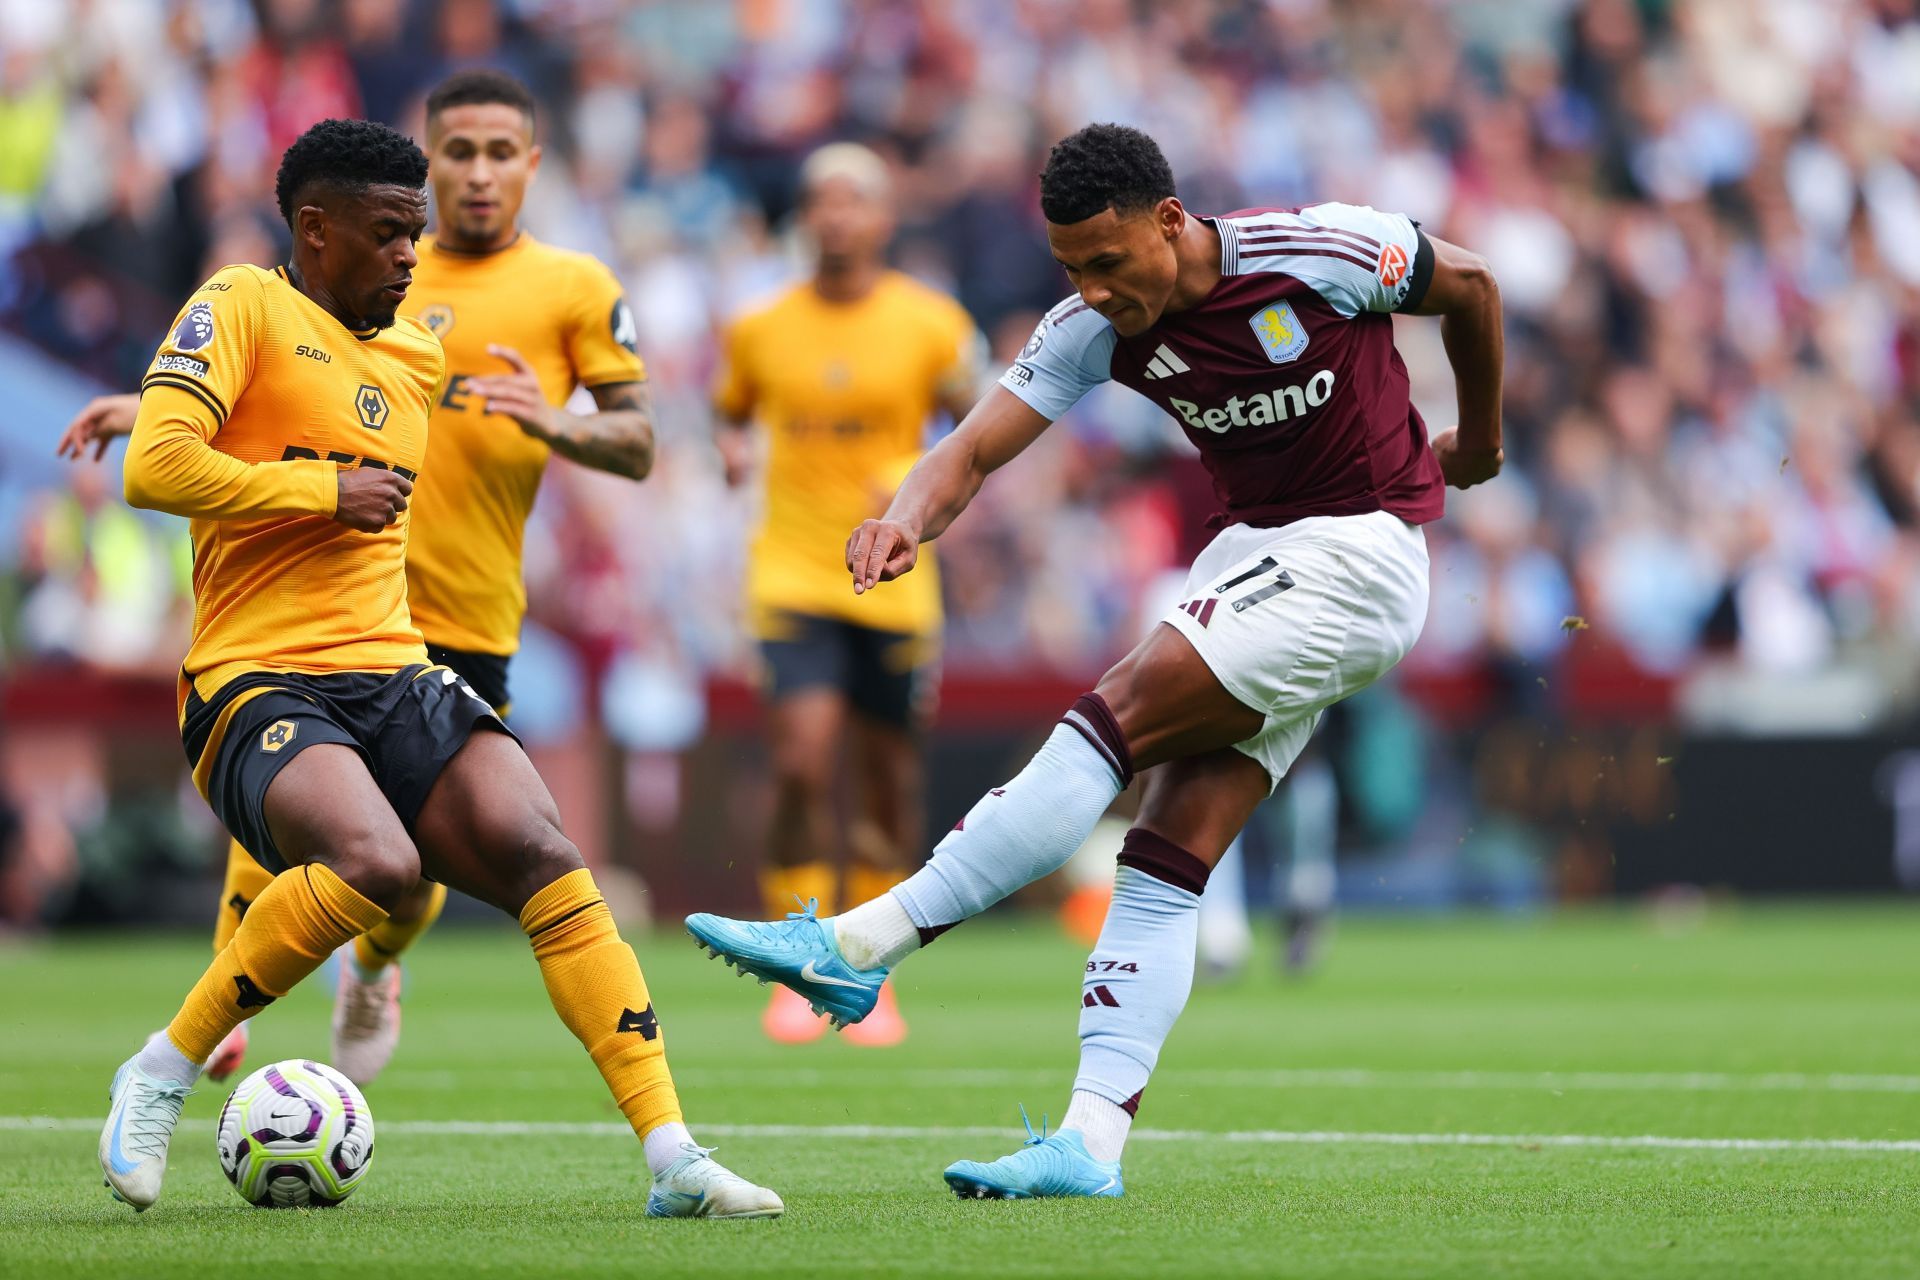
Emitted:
<point x="891" y="677"/>
<point x="404" y="725"/>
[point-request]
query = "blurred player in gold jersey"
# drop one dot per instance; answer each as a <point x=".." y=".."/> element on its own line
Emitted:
<point x="844" y="372"/>
<point x="522" y="324"/>
<point x="286" y="415"/>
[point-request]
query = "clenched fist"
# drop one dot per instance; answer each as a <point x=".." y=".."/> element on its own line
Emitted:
<point x="370" y="498"/>
<point x="1462" y="466"/>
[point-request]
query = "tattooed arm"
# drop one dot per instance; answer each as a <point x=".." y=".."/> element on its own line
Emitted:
<point x="618" y="438"/>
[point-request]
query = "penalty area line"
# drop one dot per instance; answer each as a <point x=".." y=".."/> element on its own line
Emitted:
<point x="1255" y="1137"/>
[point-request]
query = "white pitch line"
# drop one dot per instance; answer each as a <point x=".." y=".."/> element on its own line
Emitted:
<point x="1291" y="1078"/>
<point x="1262" y="1137"/>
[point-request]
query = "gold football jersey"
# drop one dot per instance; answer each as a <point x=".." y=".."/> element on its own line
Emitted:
<point x="845" y="391"/>
<point x="286" y="396"/>
<point x="564" y="313"/>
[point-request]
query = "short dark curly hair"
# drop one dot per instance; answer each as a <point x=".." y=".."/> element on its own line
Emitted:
<point x="1103" y="166"/>
<point x="478" y="87"/>
<point x="347" y="155"/>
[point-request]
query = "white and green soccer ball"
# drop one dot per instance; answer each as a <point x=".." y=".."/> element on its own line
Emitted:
<point x="295" y="1135"/>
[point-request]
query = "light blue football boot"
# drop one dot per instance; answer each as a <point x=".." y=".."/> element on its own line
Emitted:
<point x="798" y="952"/>
<point x="1046" y="1166"/>
<point x="140" y="1124"/>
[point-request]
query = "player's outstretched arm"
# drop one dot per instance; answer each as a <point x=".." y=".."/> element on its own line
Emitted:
<point x="618" y="438"/>
<point x="171" y="467"/>
<point x="104" y="420"/>
<point x="941" y="485"/>
<point x="1464" y="294"/>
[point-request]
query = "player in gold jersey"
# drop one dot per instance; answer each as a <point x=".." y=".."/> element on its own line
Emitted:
<point x="844" y="372"/>
<point x="522" y="324"/>
<point x="286" y="416"/>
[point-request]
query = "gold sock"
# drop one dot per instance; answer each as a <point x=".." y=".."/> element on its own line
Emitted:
<point x="595" y="984"/>
<point x="780" y="886"/>
<point x="865" y="882"/>
<point x="381" y="945"/>
<point x="294" y="925"/>
<point x="246" y="880"/>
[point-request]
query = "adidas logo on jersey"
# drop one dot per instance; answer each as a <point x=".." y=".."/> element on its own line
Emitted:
<point x="1165" y="363"/>
<point x="1259" y="409"/>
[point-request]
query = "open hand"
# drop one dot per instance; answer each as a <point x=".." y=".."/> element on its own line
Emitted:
<point x="104" y="419"/>
<point x="517" y="394"/>
<point x="880" y="551"/>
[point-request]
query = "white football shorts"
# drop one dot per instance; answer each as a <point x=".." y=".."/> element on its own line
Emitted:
<point x="1291" y="620"/>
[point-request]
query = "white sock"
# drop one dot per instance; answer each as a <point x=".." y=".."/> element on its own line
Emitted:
<point x="876" y="934"/>
<point x="1012" y="837"/>
<point x="1102" y="1125"/>
<point x="664" y="1144"/>
<point x="1141" y="971"/>
<point x="160" y="1059"/>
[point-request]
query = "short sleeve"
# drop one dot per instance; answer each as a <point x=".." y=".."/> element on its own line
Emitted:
<point x="602" y="339"/>
<point x="1357" y="258"/>
<point x="1069" y="354"/>
<point x="210" y="349"/>
<point x="733" y="394"/>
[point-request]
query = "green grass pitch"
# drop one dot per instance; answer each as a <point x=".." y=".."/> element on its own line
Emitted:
<point x="1462" y="1097"/>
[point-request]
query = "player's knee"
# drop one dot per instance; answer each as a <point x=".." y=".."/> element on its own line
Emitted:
<point x="1131" y="689"/>
<point x="802" y="774"/>
<point x="545" y="855"/>
<point x="379" y="867"/>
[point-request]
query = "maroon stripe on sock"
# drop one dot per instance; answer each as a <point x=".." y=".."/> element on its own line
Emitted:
<point x="1164" y="860"/>
<point x="1107" y="738"/>
<point x="1132" y="1105"/>
<point x="928" y="932"/>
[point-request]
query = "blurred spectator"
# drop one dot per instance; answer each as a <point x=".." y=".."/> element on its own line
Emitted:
<point x="1701" y="212"/>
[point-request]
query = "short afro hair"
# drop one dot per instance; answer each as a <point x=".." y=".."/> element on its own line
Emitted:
<point x="479" y="87"/>
<point x="1103" y="166"/>
<point x="347" y="155"/>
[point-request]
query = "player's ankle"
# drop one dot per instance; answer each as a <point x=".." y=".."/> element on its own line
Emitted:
<point x="664" y="1144"/>
<point x="875" y="935"/>
<point x="161" y="1059"/>
<point x="1102" y="1125"/>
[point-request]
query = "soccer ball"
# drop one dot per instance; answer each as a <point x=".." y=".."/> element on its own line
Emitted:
<point x="295" y="1135"/>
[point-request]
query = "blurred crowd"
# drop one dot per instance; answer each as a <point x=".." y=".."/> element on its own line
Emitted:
<point x="1704" y="215"/>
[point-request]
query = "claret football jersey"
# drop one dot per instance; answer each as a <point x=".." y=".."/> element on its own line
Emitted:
<point x="1284" y="377"/>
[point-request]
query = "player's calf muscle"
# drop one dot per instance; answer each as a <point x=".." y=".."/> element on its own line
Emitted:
<point x="1200" y="803"/>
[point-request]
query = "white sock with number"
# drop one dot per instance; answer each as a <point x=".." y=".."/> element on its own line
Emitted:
<point x="1136" y="983"/>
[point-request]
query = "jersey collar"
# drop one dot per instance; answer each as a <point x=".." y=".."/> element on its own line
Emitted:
<point x="365" y="335"/>
<point x="433" y="244"/>
<point x="1229" y="245"/>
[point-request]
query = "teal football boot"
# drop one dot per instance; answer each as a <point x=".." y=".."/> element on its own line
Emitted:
<point x="798" y="952"/>
<point x="1045" y="1166"/>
